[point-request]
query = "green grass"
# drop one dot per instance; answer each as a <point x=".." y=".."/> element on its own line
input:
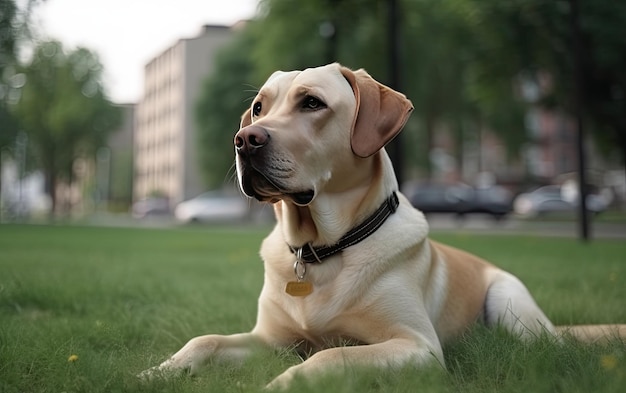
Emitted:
<point x="123" y="299"/>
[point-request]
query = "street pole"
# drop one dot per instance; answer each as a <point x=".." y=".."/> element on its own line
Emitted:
<point x="578" y="108"/>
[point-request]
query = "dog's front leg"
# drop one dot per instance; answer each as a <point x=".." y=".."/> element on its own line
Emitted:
<point x="388" y="354"/>
<point x="201" y="350"/>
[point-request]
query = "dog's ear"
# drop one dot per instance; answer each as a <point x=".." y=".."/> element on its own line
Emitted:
<point x="246" y="118"/>
<point x="381" y="112"/>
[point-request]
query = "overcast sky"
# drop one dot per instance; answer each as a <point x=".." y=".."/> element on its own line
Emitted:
<point x="126" y="34"/>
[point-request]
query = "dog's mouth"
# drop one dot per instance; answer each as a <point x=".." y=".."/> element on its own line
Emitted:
<point x="256" y="184"/>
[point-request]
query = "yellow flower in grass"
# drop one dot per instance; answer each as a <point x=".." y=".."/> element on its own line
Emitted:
<point x="72" y="358"/>
<point x="608" y="362"/>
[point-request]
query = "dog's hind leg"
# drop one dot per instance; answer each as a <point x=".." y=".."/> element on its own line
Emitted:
<point x="509" y="304"/>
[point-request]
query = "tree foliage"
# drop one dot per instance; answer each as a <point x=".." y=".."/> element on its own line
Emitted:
<point x="535" y="38"/>
<point x="14" y="28"/>
<point x="63" y="109"/>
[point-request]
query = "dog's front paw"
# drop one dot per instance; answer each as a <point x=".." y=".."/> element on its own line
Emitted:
<point x="165" y="370"/>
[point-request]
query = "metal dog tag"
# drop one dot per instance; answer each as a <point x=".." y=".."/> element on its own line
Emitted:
<point x="299" y="288"/>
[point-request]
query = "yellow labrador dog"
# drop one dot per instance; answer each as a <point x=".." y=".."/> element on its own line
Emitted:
<point x="349" y="257"/>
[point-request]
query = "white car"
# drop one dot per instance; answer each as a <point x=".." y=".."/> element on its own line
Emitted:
<point x="552" y="199"/>
<point x="212" y="206"/>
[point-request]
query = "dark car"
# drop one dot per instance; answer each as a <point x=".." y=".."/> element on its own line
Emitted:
<point x="461" y="199"/>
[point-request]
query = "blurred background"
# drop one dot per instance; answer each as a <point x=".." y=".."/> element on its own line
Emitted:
<point x="109" y="109"/>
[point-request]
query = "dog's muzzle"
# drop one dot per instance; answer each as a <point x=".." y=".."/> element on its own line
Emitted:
<point x="258" y="178"/>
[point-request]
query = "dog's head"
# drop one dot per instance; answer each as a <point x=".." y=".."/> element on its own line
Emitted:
<point x="314" y="131"/>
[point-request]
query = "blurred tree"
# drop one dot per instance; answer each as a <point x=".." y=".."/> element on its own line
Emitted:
<point x="462" y="60"/>
<point x="435" y="62"/>
<point x="492" y="66"/>
<point x="534" y="38"/>
<point x="13" y="28"/>
<point x="224" y="97"/>
<point x="63" y="110"/>
<point x="8" y="37"/>
<point x="603" y="54"/>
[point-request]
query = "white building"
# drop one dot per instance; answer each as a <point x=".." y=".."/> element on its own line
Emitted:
<point x="165" y="143"/>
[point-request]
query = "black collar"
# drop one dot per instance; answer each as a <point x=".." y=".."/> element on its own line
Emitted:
<point x="310" y="254"/>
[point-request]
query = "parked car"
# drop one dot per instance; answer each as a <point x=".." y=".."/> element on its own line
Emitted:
<point x="212" y="206"/>
<point x="550" y="199"/>
<point x="151" y="206"/>
<point x="461" y="199"/>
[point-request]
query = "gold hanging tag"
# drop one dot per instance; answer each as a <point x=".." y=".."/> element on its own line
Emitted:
<point x="300" y="287"/>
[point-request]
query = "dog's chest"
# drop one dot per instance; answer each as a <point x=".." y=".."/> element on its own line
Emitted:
<point x="313" y="314"/>
<point x="351" y="292"/>
<point x="338" y="310"/>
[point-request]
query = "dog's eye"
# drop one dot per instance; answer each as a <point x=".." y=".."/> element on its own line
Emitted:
<point x="256" y="109"/>
<point x="312" y="104"/>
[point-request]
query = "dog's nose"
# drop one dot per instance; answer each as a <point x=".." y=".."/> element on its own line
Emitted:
<point x="250" y="138"/>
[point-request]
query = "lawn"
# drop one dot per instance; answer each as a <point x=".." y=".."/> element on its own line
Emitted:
<point x="121" y="300"/>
